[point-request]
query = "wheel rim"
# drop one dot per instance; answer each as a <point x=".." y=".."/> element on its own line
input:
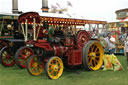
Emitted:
<point x="82" y="38"/>
<point x="23" y="56"/>
<point x="7" y="58"/>
<point x="34" y="66"/>
<point x="95" y="54"/>
<point x="55" y="68"/>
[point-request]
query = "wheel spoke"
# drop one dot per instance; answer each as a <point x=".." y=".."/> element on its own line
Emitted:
<point x="97" y="56"/>
<point x="98" y="52"/>
<point x="7" y="60"/>
<point x="21" y="57"/>
<point x="31" y="62"/>
<point x="89" y="57"/>
<point x="94" y="62"/>
<point x="91" y="64"/>
<point x="91" y="48"/>
<point x="51" y="62"/>
<point x="52" y="73"/>
<point x="4" y="53"/>
<point x="38" y="70"/>
<point x="56" y="73"/>
<point x="21" y="62"/>
<point x="96" y="49"/>
<point x="50" y="66"/>
<point x="90" y="61"/>
<point x="25" y="62"/>
<point x="56" y="62"/>
<point x="4" y="57"/>
<point x="33" y="70"/>
<point x="35" y="59"/>
<point x="39" y="67"/>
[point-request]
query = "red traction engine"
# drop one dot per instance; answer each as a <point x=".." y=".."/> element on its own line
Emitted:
<point x="74" y="50"/>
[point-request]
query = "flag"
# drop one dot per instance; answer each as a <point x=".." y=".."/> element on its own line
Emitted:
<point x="53" y="7"/>
<point x="69" y="3"/>
<point x="58" y="5"/>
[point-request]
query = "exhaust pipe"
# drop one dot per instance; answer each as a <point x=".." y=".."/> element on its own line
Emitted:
<point x="44" y="6"/>
<point x="15" y="6"/>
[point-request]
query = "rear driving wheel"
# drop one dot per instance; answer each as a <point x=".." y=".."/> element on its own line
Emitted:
<point x="6" y="57"/>
<point x="93" y="55"/>
<point x="54" y="67"/>
<point x="34" y="66"/>
<point x="22" y="56"/>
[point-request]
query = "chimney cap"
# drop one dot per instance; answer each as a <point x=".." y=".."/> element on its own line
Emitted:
<point x="44" y="9"/>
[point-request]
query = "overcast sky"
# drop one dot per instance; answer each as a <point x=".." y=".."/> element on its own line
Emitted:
<point x="90" y="9"/>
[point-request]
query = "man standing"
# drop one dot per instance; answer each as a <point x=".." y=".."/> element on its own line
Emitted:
<point x="126" y="50"/>
<point x="110" y="43"/>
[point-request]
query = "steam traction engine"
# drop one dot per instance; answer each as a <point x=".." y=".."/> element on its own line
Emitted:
<point x="76" y="49"/>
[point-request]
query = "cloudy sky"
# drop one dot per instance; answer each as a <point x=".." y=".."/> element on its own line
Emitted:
<point x="90" y="9"/>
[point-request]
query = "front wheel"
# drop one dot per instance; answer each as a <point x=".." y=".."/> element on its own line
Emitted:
<point x="6" y="57"/>
<point x="22" y="56"/>
<point x="34" y="65"/>
<point x="54" y="67"/>
<point x="92" y="55"/>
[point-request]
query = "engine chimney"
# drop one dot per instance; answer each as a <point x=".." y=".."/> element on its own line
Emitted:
<point x="44" y="6"/>
<point x="15" y="6"/>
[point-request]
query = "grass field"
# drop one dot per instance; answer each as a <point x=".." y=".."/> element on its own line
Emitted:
<point x="15" y="76"/>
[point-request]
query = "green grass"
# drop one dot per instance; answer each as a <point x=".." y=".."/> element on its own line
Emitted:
<point x="15" y="76"/>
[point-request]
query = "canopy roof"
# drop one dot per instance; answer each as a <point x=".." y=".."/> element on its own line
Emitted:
<point x="56" y="18"/>
<point x="8" y="16"/>
<point x="29" y="16"/>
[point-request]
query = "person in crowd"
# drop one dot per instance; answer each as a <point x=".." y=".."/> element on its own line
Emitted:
<point x="110" y="43"/>
<point x="69" y="31"/>
<point x="126" y="49"/>
<point x="60" y="35"/>
<point x="12" y="28"/>
<point x="114" y="35"/>
<point x="122" y="37"/>
<point x="51" y="33"/>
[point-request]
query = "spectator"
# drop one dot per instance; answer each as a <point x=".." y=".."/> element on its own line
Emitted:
<point x="126" y="50"/>
<point x="110" y="43"/>
<point x="51" y="33"/>
<point x="114" y="35"/>
<point x="122" y="37"/>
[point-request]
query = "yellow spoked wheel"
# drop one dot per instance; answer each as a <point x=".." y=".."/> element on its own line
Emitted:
<point x="54" y="67"/>
<point x="34" y="66"/>
<point x="93" y="55"/>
